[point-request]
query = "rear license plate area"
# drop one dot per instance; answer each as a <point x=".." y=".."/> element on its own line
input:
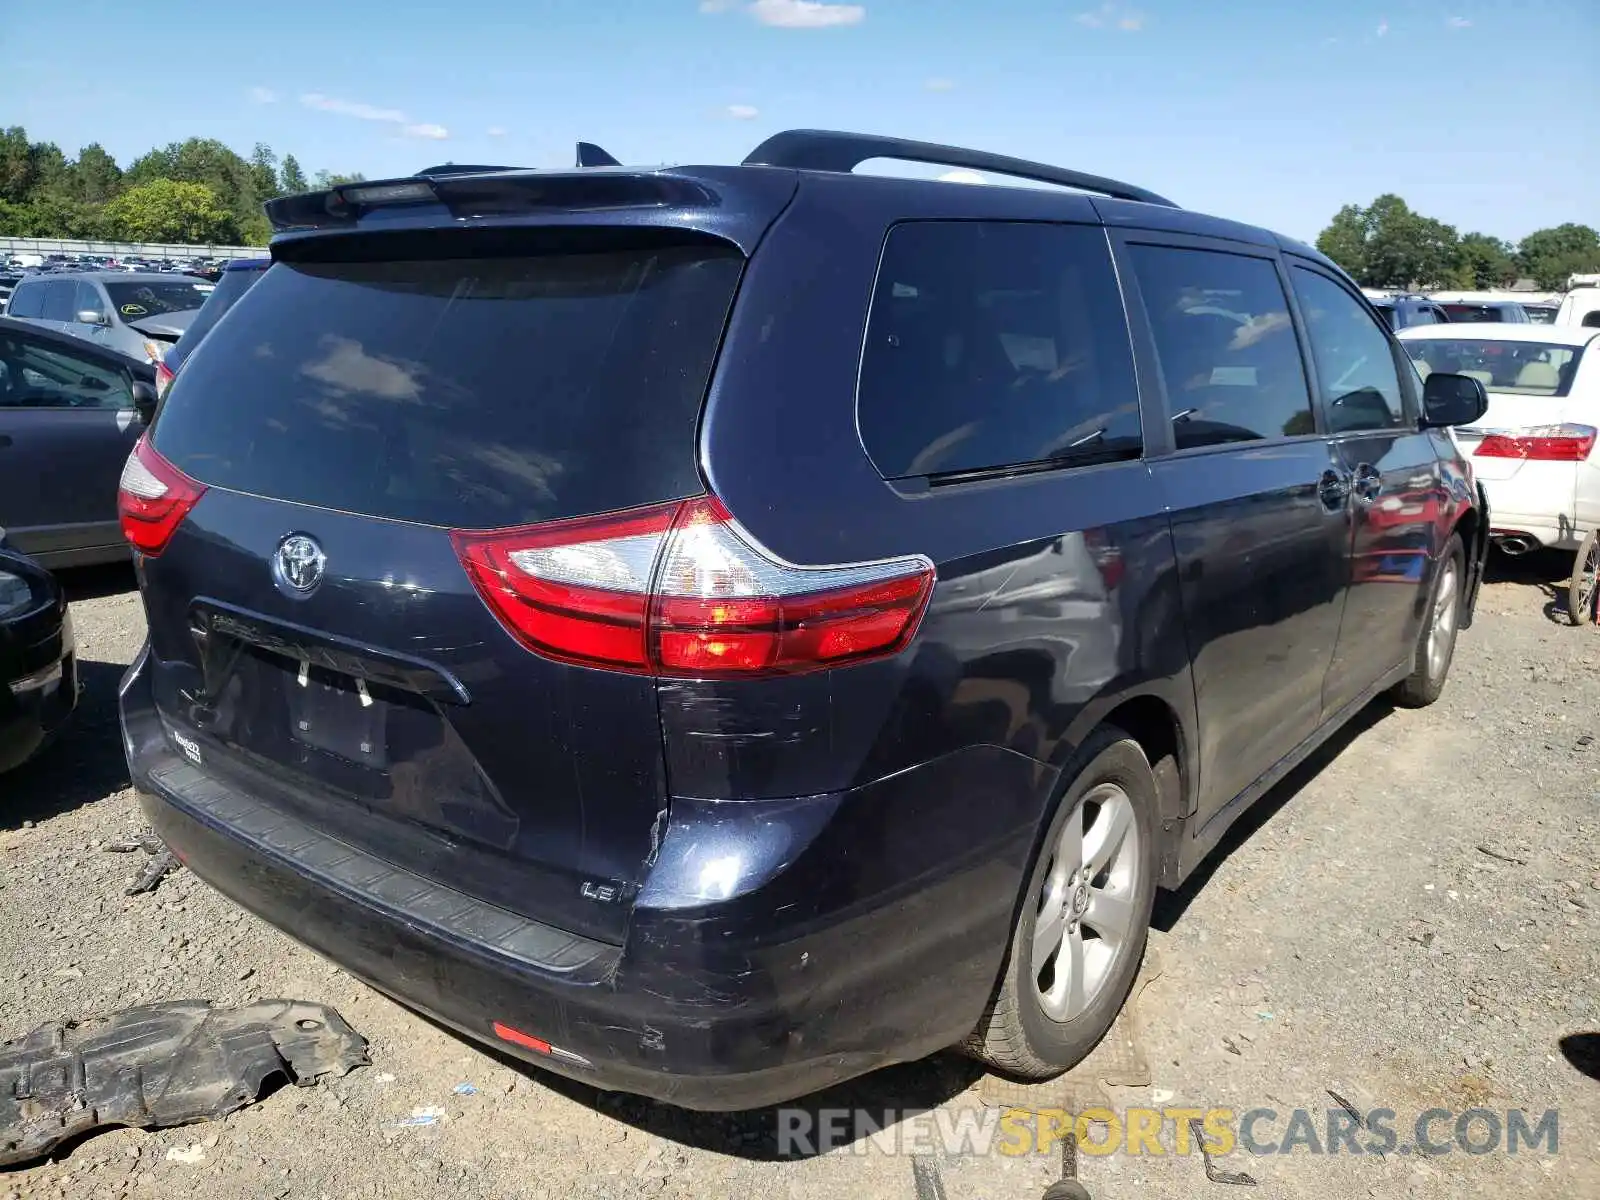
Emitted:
<point x="337" y="715"/>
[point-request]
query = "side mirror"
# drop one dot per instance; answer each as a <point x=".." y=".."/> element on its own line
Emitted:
<point x="1452" y="400"/>
<point x="144" y="400"/>
<point x="91" y="316"/>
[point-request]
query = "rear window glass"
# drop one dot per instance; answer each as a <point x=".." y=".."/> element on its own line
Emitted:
<point x="993" y="345"/>
<point x="224" y="296"/>
<point x="468" y="392"/>
<point x="135" y="300"/>
<point x="1467" y="313"/>
<point x="1519" y="368"/>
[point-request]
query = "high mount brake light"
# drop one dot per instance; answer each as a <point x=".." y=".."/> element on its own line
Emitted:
<point x="681" y="589"/>
<point x="153" y="498"/>
<point x="1543" y="443"/>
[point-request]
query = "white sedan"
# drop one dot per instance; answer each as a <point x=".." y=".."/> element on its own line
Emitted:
<point x="1535" y="450"/>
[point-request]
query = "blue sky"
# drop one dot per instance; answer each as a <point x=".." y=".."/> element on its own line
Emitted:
<point x="1484" y="115"/>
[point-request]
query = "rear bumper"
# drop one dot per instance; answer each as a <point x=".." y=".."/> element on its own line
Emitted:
<point x="37" y="700"/>
<point x="1539" y="501"/>
<point x="773" y="950"/>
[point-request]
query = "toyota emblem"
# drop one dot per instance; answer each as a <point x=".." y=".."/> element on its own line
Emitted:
<point x="298" y="564"/>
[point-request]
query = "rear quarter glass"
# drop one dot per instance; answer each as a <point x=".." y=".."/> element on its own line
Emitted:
<point x="471" y="393"/>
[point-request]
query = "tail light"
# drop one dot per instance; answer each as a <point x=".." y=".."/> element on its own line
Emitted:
<point x="153" y="498"/>
<point x="681" y="589"/>
<point x="1544" y="443"/>
<point x="164" y="378"/>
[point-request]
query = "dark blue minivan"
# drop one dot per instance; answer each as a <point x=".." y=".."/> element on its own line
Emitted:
<point x="715" y="631"/>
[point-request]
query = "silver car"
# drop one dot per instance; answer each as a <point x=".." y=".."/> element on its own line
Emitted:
<point x="137" y="314"/>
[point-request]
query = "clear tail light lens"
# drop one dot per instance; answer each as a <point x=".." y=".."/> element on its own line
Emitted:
<point x="153" y="498"/>
<point x="681" y="589"/>
<point x="1543" y="443"/>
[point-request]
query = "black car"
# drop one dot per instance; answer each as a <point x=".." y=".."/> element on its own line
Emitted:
<point x="38" y="669"/>
<point x="714" y="631"/>
<point x="70" y="411"/>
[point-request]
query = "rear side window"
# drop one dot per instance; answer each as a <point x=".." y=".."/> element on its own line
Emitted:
<point x="59" y="296"/>
<point x="1355" y="365"/>
<point x="473" y="393"/>
<point x="1226" y="345"/>
<point x="996" y="344"/>
<point x="27" y="301"/>
<point x="224" y="296"/>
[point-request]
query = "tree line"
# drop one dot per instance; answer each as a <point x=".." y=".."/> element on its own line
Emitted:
<point x="1387" y="245"/>
<point x="197" y="191"/>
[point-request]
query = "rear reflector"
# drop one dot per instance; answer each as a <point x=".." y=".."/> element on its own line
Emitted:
<point x="153" y="498"/>
<point x="1544" y="443"/>
<point x="538" y="1045"/>
<point x="681" y="589"/>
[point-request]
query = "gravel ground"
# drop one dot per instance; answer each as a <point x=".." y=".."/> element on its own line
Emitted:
<point x="1412" y="920"/>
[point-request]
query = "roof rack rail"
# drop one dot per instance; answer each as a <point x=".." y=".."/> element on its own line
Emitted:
<point x="590" y="155"/>
<point x="824" y="150"/>
<point x="459" y="169"/>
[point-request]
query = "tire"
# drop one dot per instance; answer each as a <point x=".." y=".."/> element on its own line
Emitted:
<point x="1037" y="1024"/>
<point x="1582" y="591"/>
<point x="1436" y="641"/>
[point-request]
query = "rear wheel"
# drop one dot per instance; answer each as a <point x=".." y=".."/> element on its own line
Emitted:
<point x="1582" y="592"/>
<point x="1081" y="925"/>
<point x="1437" y="642"/>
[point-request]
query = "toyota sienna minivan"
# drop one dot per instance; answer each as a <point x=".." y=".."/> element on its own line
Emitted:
<point x="715" y="631"/>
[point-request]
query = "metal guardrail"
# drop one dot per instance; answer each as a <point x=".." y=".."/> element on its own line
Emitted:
<point x="11" y="246"/>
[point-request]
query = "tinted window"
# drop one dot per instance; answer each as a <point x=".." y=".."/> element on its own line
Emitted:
<point x="26" y="301"/>
<point x="87" y="300"/>
<point x="471" y="393"/>
<point x="230" y="287"/>
<point x="1226" y="345"/>
<point x="1386" y="311"/>
<point x="1473" y="312"/>
<point x="146" y="299"/>
<point x="1421" y="315"/>
<point x="39" y="374"/>
<point x="1355" y="365"/>
<point x="996" y="344"/>
<point x="59" y="296"/>
<point x="1517" y="368"/>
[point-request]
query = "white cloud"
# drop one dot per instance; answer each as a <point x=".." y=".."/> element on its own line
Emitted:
<point x="1459" y="22"/>
<point x="1112" y="14"/>
<point x="436" y="133"/>
<point x="1383" y="29"/>
<point x="940" y="85"/>
<point x="263" y="95"/>
<point x="743" y="112"/>
<point x="806" y="14"/>
<point x="962" y="177"/>
<point x="350" y="108"/>
<point x="496" y="131"/>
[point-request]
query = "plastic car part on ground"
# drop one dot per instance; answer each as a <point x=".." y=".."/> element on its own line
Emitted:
<point x="160" y="1065"/>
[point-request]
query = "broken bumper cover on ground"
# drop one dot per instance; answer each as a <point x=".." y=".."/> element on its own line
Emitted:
<point x="758" y="968"/>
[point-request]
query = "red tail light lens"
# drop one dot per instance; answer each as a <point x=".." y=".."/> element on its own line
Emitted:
<point x="1545" y="443"/>
<point x="164" y="377"/>
<point x="153" y="498"/>
<point x="680" y="589"/>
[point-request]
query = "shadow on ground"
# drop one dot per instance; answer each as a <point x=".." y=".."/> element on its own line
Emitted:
<point x="84" y="764"/>
<point x="1547" y="570"/>
<point x="92" y="583"/>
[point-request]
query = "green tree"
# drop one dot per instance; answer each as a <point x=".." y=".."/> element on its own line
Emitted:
<point x="96" y="176"/>
<point x="16" y="165"/>
<point x="1484" y="262"/>
<point x="326" y="179"/>
<point x="264" y="173"/>
<point x="1345" y="240"/>
<point x="169" y="210"/>
<point x="50" y="172"/>
<point x="1550" y="255"/>
<point x="204" y="161"/>
<point x="291" y="178"/>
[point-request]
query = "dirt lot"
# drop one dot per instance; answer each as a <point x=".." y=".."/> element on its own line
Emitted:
<point x="1412" y="921"/>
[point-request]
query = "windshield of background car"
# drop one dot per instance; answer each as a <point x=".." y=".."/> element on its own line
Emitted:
<point x="1519" y="368"/>
<point x="472" y="393"/>
<point x="136" y="300"/>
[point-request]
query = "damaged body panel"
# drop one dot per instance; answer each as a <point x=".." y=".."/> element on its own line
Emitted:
<point x="160" y="1065"/>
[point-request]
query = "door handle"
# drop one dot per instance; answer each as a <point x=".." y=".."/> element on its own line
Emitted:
<point x="1368" y="483"/>
<point x="1334" y="489"/>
